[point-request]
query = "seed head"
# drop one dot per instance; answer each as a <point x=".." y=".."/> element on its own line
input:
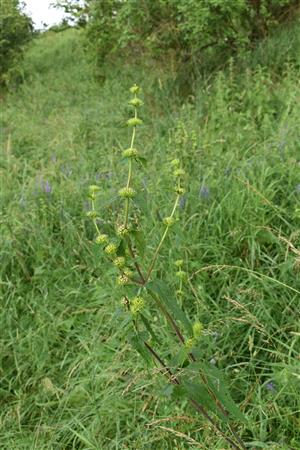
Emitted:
<point x="123" y="231"/>
<point x="197" y="329"/>
<point x="119" y="262"/>
<point x="179" y="263"/>
<point x="101" y="239"/>
<point x="127" y="272"/>
<point x="181" y="274"/>
<point x="178" y="173"/>
<point x="130" y="153"/>
<point x="136" y="102"/>
<point x="92" y="214"/>
<point x="175" y="162"/>
<point x="169" y="221"/>
<point x="122" y="280"/>
<point x="134" y="122"/>
<point x="189" y="343"/>
<point x="137" y="304"/>
<point x="93" y="188"/>
<point x="134" y="89"/>
<point x="179" y="190"/>
<point x="111" y="249"/>
<point x="127" y="192"/>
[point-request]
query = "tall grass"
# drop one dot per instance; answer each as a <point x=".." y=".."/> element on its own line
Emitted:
<point x="67" y="379"/>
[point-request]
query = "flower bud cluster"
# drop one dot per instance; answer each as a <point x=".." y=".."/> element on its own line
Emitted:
<point x="169" y="221"/>
<point x="136" y="102"/>
<point x="124" y="278"/>
<point x="93" y="189"/>
<point x="127" y="192"/>
<point x="101" y="239"/>
<point x="181" y="274"/>
<point x="134" y="122"/>
<point x="119" y="262"/>
<point x="179" y="263"/>
<point x="123" y="231"/>
<point x="92" y="214"/>
<point x="130" y="153"/>
<point x="111" y="249"/>
<point x="136" y="305"/>
<point x="189" y="344"/>
<point x="197" y="329"/>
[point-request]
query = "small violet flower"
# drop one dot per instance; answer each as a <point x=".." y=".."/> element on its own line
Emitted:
<point x="46" y="186"/>
<point x="270" y="386"/>
<point x="204" y="192"/>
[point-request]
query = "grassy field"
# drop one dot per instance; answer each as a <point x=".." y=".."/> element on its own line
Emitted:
<point x="69" y="379"/>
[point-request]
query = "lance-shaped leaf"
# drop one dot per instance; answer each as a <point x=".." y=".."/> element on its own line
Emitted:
<point x="218" y="386"/>
<point x="167" y="296"/>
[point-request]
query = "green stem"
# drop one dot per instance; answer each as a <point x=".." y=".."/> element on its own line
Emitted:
<point x="129" y="172"/>
<point x="94" y="220"/>
<point x="161" y="241"/>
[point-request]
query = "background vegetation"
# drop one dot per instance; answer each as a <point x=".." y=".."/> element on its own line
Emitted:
<point x="15" y="31"/>
<point x="68" y="378"/>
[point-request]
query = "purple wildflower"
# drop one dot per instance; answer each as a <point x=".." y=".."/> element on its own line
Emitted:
<point x="46" y="186"/>
<point x="182" y="202"/>
<point x="270" y="386"/>
<point x="204" y="192"/>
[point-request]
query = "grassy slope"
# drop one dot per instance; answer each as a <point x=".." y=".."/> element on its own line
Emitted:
<point x="68" y="379"/>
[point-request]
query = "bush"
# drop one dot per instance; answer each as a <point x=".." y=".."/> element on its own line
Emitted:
<point x="16" y="30"/>
<point x="188" y="28"/>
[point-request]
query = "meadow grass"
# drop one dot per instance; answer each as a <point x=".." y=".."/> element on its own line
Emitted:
<point x="69" y="380"/>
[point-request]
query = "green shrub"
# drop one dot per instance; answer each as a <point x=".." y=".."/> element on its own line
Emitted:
<point x="15" y="31"/>
<point x="188" y="28"/>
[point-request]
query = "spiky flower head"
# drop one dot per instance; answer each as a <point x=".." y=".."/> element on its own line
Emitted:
<point x="122" y="280"/>
<point x="181" y="274"/>
<point x="93" y="188"/>
<point x="178" y="173"/>
<point x="134" y="122"/>
<point x="130" y="153"/>
<point x="169" y="221"/>
<point x="137" y="304"/>
<point x="127" y="192"/>
<point x="136" y="102"/>
<point x="111" y="249"/>
<point x="197" y="329"/>
<point x="134" y="89"/>
<point x="101" y="239"/>
<point x="189" y="343"/>
<point x="119" y="262"/>
<point x="179" y="190"/>
<point x="179" y="263"/>
<point x="175" y="162"/>
<point x="123" y="231"/>
<point x="92" y="214"/>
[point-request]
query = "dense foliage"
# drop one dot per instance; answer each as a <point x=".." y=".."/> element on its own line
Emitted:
<point x="191" y="29"/>
<point x="15" y="31"/>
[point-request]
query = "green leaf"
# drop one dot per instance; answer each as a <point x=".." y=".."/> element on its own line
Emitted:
<point x="149" y="328"/>
<point x="167" y="296"/>
<point x="167" y="390"/>
<point x="180" y="357"/>
<point x="142" y="202"/>
<point x="199" y="393"/>
<point x="139" y="240"/>
<point x="137" y="342"/>
<point x="141" y="160"/>
<point x="217" y="384"/>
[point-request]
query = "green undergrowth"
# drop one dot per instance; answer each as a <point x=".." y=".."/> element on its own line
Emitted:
<point x="68" y="379"/>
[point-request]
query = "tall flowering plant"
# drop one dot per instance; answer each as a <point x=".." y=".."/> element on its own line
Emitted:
<point x="187" y="373"/>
